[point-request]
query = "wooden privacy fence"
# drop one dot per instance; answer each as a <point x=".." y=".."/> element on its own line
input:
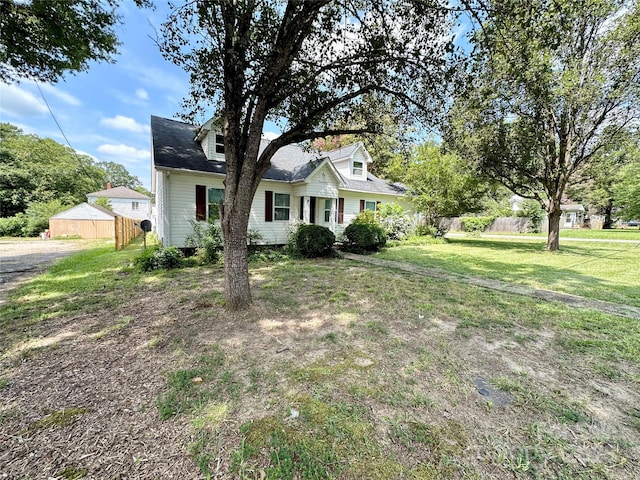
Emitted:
<point x="126" y="229"/>
<point x="500" y="224"/>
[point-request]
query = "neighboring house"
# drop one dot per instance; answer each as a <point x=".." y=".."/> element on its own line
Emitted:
<point x="573" y="214"/>
<point x="84" y="220"/>
<point x="327" y="188"/>
<point x="125" y="202"/>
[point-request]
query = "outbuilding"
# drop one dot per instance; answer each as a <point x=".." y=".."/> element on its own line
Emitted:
<point x="85" y="221"/>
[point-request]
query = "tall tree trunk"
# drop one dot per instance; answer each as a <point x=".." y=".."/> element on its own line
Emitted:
<point x="553" y="237"/>
<point x="608" y="209"/>
<point x="236" y="268"/>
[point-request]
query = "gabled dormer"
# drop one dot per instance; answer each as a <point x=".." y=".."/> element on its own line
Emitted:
<point x="351" y="161"/>
<point x="212" y="141"/>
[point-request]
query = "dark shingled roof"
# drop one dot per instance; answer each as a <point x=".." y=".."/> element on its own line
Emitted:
<point x="174" y="146"/>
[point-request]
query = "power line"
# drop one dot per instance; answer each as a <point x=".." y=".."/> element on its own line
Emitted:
<point x="80" y="163"/>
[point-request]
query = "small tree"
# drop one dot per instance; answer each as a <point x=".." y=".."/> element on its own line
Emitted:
<point x="627" y="191"/>
<point x="38" y="215"/>
<point x="103" y="202"/>
<point x="440" y="184"/>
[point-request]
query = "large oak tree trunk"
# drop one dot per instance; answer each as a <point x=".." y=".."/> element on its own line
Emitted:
<point x="553" y="237"/>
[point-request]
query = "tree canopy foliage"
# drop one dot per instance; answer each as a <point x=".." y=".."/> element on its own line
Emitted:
<point x="307" y="66"/>
<point x="627" y="190"/>
<point x="440" y="184"/>
<point x="40" y="170"/>
<point x="552" y="84"/>
<point x="44" y="39"/>
<point x="118" y="176"/>
<point x="600" y="184"/>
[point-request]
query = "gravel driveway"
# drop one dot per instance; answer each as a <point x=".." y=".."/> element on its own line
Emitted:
<point x="24" y="258"/>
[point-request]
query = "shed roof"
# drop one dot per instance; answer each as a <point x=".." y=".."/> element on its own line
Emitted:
<point x="119" y="192"/>
<point x="86" y="211"/>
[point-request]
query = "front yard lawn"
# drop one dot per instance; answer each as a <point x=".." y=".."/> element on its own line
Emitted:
<point x="338" y="370"/>
<point x="603" y="271"/>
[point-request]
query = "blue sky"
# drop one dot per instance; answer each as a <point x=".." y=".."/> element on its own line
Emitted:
<point x="105" y="112"/>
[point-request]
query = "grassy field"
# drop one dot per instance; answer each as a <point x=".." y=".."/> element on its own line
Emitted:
<point x="603" y="271"/>
<point x="338" y="370"/>
<point x="612" y="234"/>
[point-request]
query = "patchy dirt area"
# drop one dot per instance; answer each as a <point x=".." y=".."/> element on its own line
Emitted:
<point x="419" y="379"/>
<point x="22" y="259"/>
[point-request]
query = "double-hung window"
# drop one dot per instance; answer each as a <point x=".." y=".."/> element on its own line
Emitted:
<point x="208" y="202"/>
<point x="135" y="205"/>
<point x="356" y="169"/>
<point x="281" y="206"/>
<point x="277" y="206"/>
<point x="216" y="199"/>
<point x="219" y="143"/>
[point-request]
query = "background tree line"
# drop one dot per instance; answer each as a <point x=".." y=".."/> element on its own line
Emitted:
<point x="40" y="177"/>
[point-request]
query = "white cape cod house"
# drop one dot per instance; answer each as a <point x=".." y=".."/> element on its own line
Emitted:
<point x="326" y="188"/>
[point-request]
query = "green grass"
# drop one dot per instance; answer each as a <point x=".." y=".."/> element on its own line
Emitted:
<point x="603" y="271"/>
<point x="632" y="234"/>
<point x="377" y="380"/>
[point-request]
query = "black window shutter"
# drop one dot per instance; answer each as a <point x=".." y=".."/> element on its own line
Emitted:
<point x="340" y="210"/>
<point x="361" y="205"/>
<point x="268" y="206"/>
<point x="201" y="202"/>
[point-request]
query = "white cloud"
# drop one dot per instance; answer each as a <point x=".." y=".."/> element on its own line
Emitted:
<point x="60" y="95"/>
<point x="120" y="122"/>
<point x="124" y="153"/>
<point x="142" y="94"/>
<point x="18" y="102"/>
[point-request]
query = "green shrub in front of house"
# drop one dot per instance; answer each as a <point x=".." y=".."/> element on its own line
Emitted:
<point x="395" y="221"/>
<point x="206" y="238"/>
<point x="314" y="240"/>
<point x="159" y="258"/>
<point x="365" y="234"/>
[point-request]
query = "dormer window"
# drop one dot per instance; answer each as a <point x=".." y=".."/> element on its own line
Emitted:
<point x="219" y="143"/>
<point x="356" y="169"/>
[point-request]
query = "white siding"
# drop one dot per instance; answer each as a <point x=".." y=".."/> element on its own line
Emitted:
<point x="352" y="204"/>
<point x="124" y="207"/>
<point x="160" y="222"/>
<point x="322" y="184"/>
<point x="177" y="192"/>
<point x="277" y="231"/>
<point x="182" y="203"/>
<point x="345" y="165"/>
